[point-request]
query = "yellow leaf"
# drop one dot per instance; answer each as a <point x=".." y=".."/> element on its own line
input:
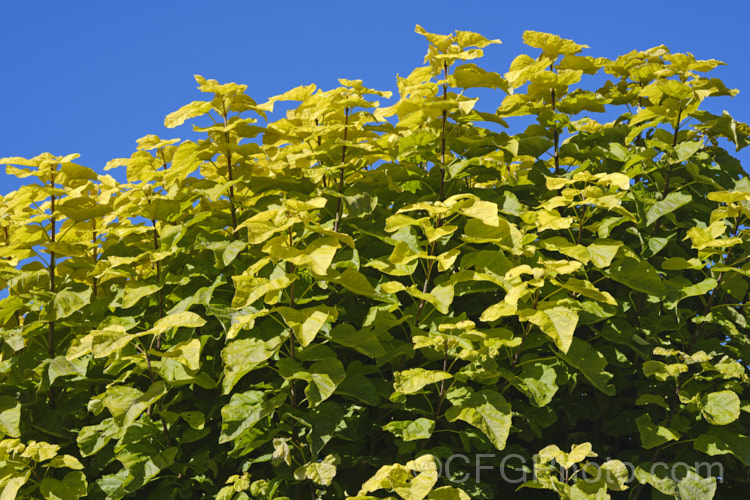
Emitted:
<point x="469" y="39"/>
<point x="551" y="45"/>
<point x="296" y="94"/>
<point x="306" y="323"/>
<point x="195" y="108"/>
<point x="486" y="211"/>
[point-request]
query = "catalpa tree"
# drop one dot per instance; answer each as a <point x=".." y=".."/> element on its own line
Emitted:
<point x="408" y="299"/>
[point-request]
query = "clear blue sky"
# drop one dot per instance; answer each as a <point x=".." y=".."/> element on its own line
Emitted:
<point x="92" y="76"/>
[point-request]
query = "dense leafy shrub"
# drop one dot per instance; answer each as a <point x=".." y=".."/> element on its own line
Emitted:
<point x="361" y="300"/>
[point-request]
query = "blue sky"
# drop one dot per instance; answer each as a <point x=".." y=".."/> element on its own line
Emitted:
<point x="92" y="77"/>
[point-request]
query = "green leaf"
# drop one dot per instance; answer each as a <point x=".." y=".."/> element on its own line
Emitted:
<point x="536" y="381"/>
<point x="645" y="399"/>
<point x="672" y="202"/>
<point x="440" y="297"/>
<point x="81" y="209"/>
<point x="68" y="302"/>
<point x="539" y="380"/>
<point x="615" y="474"/>
<point x="486" y="410"/>
<point x="448" y="493"/>
<point x="354" y="281"/>
<point x="10" y="416"/>
<point x="720" y="408"/>
<point x="411" y="430"/>
<point x="358" y="385"/>
<point x="651" y="114"/>
<point x="61" y="367"/>
<point x="602" y="252"/>
<point x="306" y="323"/>
<point x="322" y="377"/>
<point x="662" y="371"/>
<point x="195" y="419"/>
<point x="574" y="251"/>
<point x="695" y="487"/>
<point x="723" y="441"/>
<point x="685" y="150"/>
<point x="231" y="251"/>
<point x="364" y="341"/>
<point x="584" y="358"/>
<point x="701" y="288"/>
<point x="93" y="438"/>
<point x="321" y="472"/>
<point x="415" y="379"/>
<point x="504" y="234"/>
<point x="653" y="435"/>
<point x="243" y="356"/>
<point x="244" y="410"/>
<point x="638" y="275"/>
<point x="105" y="342"/>
<point x="585" y="288"/>
<point x="72" y="487"/>
<point x="557" y="322"/>
<point x="127" y="403"/>
<point x="690" y="487"/>
<point x="188" y="353"/>
<point x="66" y="461"/>
<point x="679" y="263"/>
<point x="143" y="468"/>
<point x="676" y="89"/>
<point x="135" y="291"/>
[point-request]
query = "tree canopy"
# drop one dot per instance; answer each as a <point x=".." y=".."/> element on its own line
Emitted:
<point x="368" y="300"/>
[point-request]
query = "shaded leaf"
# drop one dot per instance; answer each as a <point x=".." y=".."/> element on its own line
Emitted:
<point x="486" y="410"/>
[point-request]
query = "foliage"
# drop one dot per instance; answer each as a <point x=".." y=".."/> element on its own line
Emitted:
<point x="335" y="303"/>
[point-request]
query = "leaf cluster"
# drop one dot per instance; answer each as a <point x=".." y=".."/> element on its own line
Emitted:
<point x="334" y="303"/>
